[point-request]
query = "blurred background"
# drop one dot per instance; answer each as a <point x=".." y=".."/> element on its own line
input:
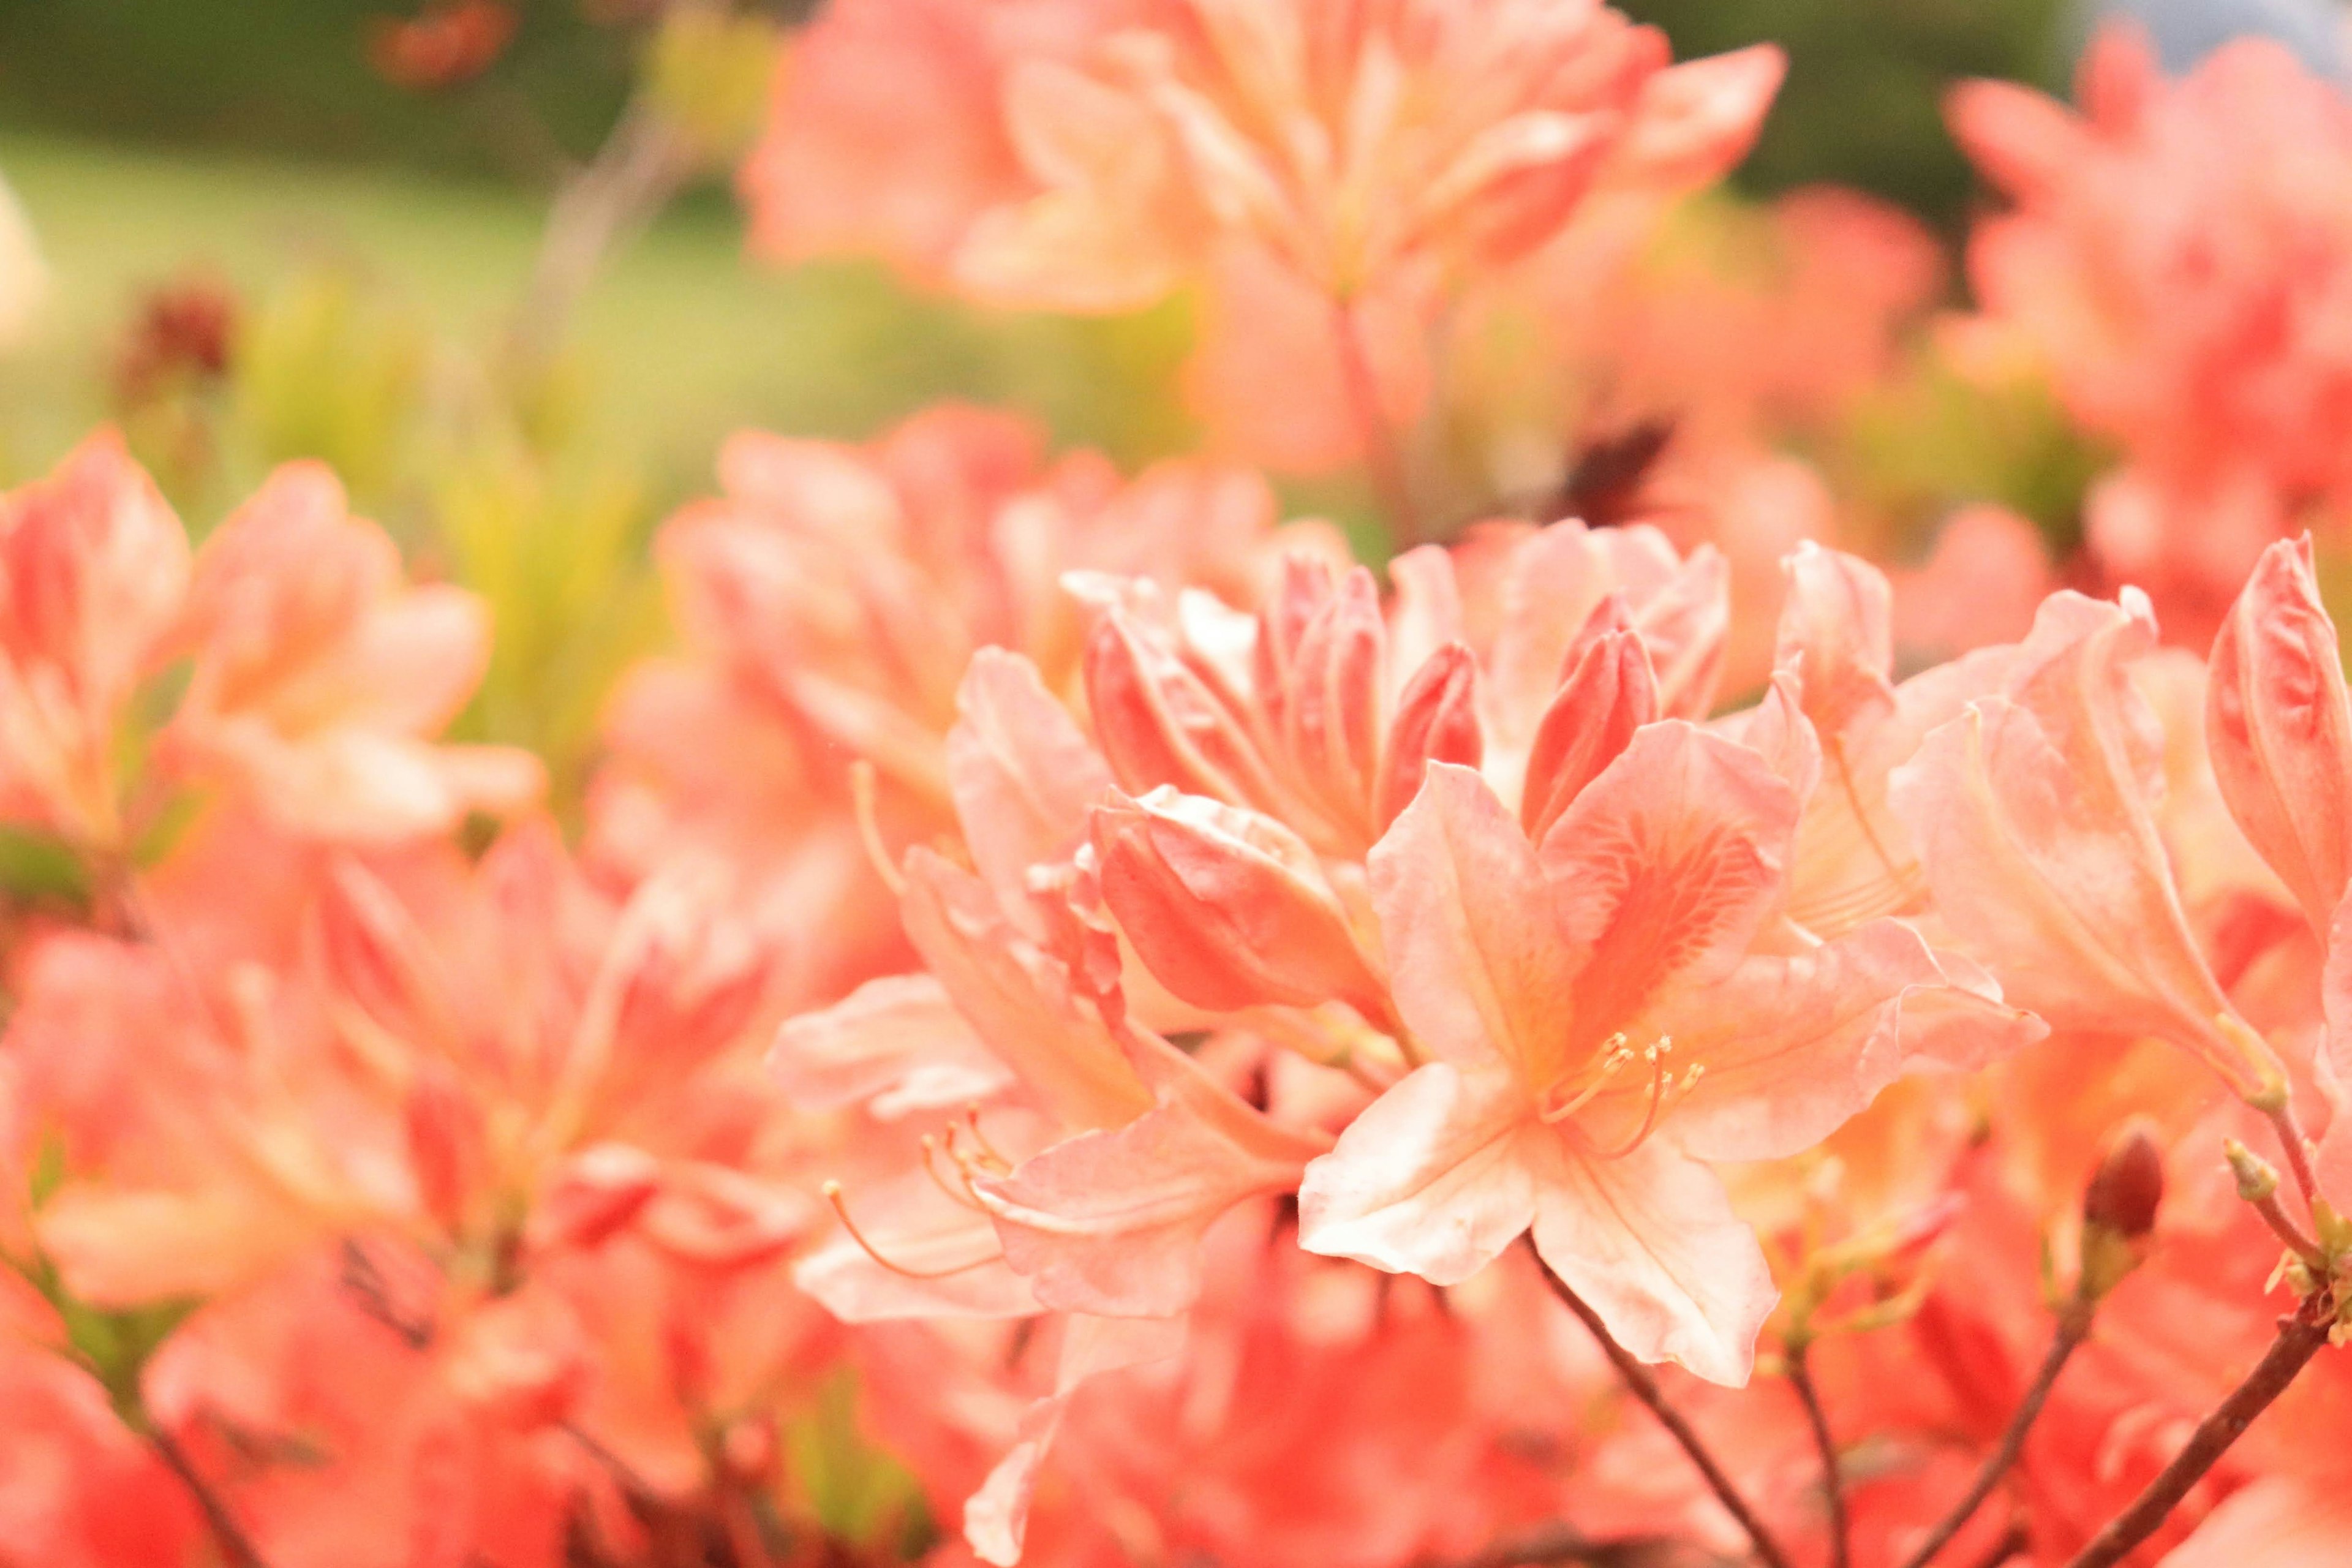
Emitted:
<point x="484" y="258"/>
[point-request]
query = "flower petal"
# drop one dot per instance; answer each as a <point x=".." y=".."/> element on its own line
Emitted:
<point x="1475" y="968"/>
<point x="1793" y="1047"/>
<point x="1111" y="1222"/>
<point x="1665" y="868"/>
<point x="1651" y="1243"/>
<point x="2279" y="728"/>
<point x="1436" y="1178"/>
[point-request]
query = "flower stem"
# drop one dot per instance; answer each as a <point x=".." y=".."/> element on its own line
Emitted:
<point x="2298" y="1151"/>
<point x="1563" y="1544"/>
<point x="2300" y="1338"/>
<point x="1383" y="452"/>
<point x="1801" y="1378"/>
<point x="2012" y="1542"/>
<point x="1644" y="1386"/>
<point x="2074" y="1328"/>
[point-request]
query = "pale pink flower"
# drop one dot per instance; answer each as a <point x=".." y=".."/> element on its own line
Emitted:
<point x="832" y="598"/>
<point x="92" y="567"/>
<point x="2178" y="253"/>
<point x="1603" y="1014"/>
<point x="2034" y="814"/>
<point x="321" y="676"/>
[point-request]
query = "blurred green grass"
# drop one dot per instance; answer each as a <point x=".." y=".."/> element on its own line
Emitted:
<point x="682" y="340"/>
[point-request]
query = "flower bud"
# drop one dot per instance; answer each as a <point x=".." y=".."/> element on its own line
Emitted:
<point x="2257" y="1177"/>
<point x="2119" y="1207"/>
<point x="2124" y="1190"/>
<point x="1320" y="656"/>
<point x="1228" y="909"/>
<point x="1160" y="722"/>
<point x="2278" y="724"/>
<point x="1436" y="721"/>
<point x="1611" y="691"/>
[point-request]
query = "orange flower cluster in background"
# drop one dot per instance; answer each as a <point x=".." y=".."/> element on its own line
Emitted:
<point x="1675" y="999"/>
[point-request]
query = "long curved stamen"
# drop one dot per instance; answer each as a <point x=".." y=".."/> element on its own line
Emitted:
<point x="864" y="802"/>
<point x="832" y="1191"/>
<point x="961" y="1191"/>
<point x="1665" y="1089"/>
<point x="988" y="1156"/>
<point x="1615" y="1053"/>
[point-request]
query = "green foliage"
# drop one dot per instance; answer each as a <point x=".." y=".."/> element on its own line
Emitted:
<point x="1940" y="440"/>
<point x="557" y="548"/>
<point x="37" y="871"/>
<point x="114" y="1346"/>
<point x="855" y="1490"/>
<point x="1863" y="105"/>
<point x="329" y="369"/>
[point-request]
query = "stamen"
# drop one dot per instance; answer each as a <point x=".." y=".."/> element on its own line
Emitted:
<point x="863" y="801"/>
<point x="967" y="1196"/>
<point x="832" y="1191"/>
<point x="988" y="1157"/>
<point x="1660" y="1082"/>
<point x="1616" y="1054"/>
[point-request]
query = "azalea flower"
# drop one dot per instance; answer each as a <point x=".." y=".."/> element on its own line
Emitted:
<point x="1600" y="1020"/>
<point x="94" y="566"/>
<point x="1094" y="1155"/>
<point x="1335" y="175"/>
<point x="832" y="598"/>
<point x="2176" y="257"/>
<point x="320" y="676"/>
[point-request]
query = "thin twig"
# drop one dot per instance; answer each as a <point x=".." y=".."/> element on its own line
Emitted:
<point x="2298" y="1149"/>
<point x="2300" y="1338"/>
<point x="2074" y="1328"/>
<point x="597" y="208"/>
<point x="235" y="1546"/>
<point x="1801" y="1378"/>
<point x="2012" y="1542"/>
<point x="1644" y="1386"/>
<point x="2282" y="1226"/>
<point x="1558" y="1545"/>
<point x="1384" y="457"/>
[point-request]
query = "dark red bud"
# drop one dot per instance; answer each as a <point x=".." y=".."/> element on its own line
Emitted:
<point x="2125" y="1191"/>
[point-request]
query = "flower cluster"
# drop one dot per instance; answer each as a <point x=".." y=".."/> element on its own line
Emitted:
<point x="1077" y="1023"/>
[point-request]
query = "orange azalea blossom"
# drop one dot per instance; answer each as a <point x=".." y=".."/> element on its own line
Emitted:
<point x="517" y="1063"/>
<point x="2177" y="257"/>
<point x="1349" y="143"/>
<point x="1260" y="758"/>
<point x="319" y="677"/>
<point x="94" y="566"/>
<point x="1091" y="1156"/>
<point x="488" y="1124"/>
<point x="320" y="674"/>
<point x="1321" y="166"/>
<point x="2035" y="811"/>
<point x="832" y="598"/>
<point x="1625" y="1022"/>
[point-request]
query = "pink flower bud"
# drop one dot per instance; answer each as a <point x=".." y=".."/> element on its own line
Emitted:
<point x="1610" y="692"/>
<point x="1321" y="654"/>
<point x="1436" y="721"/>
<point x="1228" y="909"/>
<point x="1160" y="722"/>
